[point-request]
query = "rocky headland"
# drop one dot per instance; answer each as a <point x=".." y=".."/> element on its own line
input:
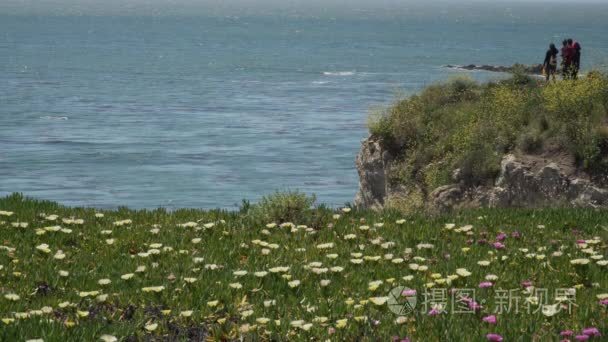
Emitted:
<point x="549" y="178"/>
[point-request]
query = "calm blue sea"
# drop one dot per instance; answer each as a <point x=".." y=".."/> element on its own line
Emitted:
<point x="203" y="110"/>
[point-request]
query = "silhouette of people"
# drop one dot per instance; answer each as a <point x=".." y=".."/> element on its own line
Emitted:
<point x="576" y="59"/>
<point x="571" y="59"/>
<point x="550" y="63"/>
<point x="567" y="55"/>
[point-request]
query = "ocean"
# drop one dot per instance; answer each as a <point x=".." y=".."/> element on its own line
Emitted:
<point x="205" y="109"/>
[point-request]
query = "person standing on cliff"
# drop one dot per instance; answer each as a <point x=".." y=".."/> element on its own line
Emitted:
<point x="566" y="60"/>
<point x="550" y="64"/>
<point x="576" y="59"/>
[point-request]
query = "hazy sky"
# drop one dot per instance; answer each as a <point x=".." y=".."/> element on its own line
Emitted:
<point x="232" y="7"/>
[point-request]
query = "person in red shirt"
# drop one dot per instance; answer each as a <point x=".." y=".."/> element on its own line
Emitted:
<point x="566" y="60"/>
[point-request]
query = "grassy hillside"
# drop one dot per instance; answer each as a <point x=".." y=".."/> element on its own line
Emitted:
<point x="85" y="275"/>
<point x="466" y="125"/>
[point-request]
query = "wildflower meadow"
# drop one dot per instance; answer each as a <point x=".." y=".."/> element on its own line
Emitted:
<point x="72" y="274"/>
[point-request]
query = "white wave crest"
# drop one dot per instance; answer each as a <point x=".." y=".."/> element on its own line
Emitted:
<point x="338" y="73"/>
<point x="48" y="117"/>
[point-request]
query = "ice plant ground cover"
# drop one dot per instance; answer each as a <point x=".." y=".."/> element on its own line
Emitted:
<point x="85" y="274"/>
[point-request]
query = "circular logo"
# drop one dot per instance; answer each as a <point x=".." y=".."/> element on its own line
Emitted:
<point x="401" y="300"/>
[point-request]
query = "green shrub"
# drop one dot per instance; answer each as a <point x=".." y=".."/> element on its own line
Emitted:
<point x="290" y="206"/>
<point x="467" y="125"/>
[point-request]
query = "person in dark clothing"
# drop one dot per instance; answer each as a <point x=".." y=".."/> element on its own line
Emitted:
<point x="566" y="60"/>
<point x="550" y="63"/>
<point x="576" y="59"/>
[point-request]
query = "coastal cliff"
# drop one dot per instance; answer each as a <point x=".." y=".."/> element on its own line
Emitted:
<point x="514" y="143"/>
<point x="523" y="181"/>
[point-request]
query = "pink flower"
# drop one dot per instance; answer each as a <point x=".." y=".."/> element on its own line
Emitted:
<point x="494" y="337"/>
<point x="482" y="241"/>
<point x="526" y="283"/>
<point x="408" y="293"/>
<point x="489" y="319"/>
<point x="498" y="245"/>
<point x="566" y="333"/>
<point x="516" y="235"/>
<point x="580" y="242"/>
<point x="501" y="237"/>
<point x="581" y="337"/>
<point x="434" y="312"/>
<point x="592" y="331"/>
<point x="473" y="305"/>
<point x="331" y="330"/>
<point x="604" y="301"/>
<point x="485" y="284"/>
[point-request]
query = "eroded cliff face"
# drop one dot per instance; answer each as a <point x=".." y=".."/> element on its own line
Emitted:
<point x="373" y="164"/>
<point x="523" y="181"/>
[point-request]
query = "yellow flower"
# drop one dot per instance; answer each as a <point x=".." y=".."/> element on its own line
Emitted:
<point x="463" y="272"/>
<point x="235" y="285"/>
<point x="213" y="303"/>
<point x="190" y="280"/>
<point x="153" y="289"/>
<point x="262" y="320"/>
<point x="82" y="313"/>
<point x="8" y="320"/>
<point x="186" y="313"/>
<point x="294" y="283"/>
<point x="151" y="326"/>
<point x="12" y="297"/>
<point x="579" y="261"/>
<point x="379" y="300"/>
<point x="108" y="338"/>
<point x="43" y="248"/>
<point x="127" y="276"/>
<point x="104" y="281"/>
<point x="341" y="323"/>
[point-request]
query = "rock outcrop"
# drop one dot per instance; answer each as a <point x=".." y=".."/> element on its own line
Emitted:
<point x="373" y="165"/>
<point x="523" y="181"/>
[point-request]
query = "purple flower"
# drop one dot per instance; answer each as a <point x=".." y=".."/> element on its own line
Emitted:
<point x="494" y="337"/>
<point x="408" y="293"/>
<point x="501" y="237"/>
<point x="516" y="235"/>
<point x="489" y="319"/>
<point x="526" y="283"/>
<point x="581" y="337"/>
<point x="482" y="241"/>
<point x="399" y="339"/>
<point x="434" y="312"/>
<point x="498" y="245"/>
<point x="473" y="305"/>
<point x="566" y="333"/>
<point x="485" y="284"/>
<point x="592" y="331"/>
<point x="469" y="241"/>
<point x="604" y="301"/>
